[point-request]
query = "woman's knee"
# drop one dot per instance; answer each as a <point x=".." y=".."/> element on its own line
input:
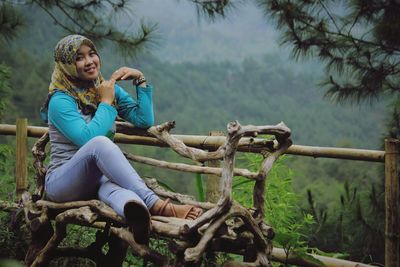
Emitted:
<point x="101" y="142"/>
<point x="98" y="145"/>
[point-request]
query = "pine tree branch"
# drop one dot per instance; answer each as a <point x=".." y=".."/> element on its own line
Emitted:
<point x="352" y="38"/>
<point x="354" y="23"/>
<point x="52" y="16"/>
<point x="95" y="29"/>
<point x="74" y="21"/>
<point x="330" y="15"/>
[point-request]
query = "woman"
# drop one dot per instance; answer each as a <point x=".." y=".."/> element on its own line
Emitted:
<point x="80" y="110"/>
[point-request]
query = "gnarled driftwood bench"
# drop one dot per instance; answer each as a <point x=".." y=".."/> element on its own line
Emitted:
<point x="224" y="227"/>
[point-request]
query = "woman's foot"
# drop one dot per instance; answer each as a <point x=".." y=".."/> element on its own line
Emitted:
<point x="168" y="209"/>
<point x="138" y="219"/>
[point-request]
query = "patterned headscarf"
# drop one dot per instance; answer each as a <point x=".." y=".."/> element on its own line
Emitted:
<point x="65" y="77"/>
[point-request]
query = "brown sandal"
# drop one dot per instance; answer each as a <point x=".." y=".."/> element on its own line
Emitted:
<point x="137" y="217"/>
<point x="190" y="213"/>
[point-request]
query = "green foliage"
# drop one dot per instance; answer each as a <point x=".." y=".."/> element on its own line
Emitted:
<point x="13" y="232"/>
<point x="282" y="209"/>
<point x="10" y="22"/>
<point x="200" y="188"/>
<point x="355" y="224"/>
<point x="7" y="165"/>
<point x="393" y="124"/>
<point x="5" y="90"/>
<point x="14" y="236"/>
<point x="10" y="263"/>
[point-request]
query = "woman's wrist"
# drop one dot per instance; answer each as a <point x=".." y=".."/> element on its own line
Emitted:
<point x="107" y="101"/>
<point x="140" y="81"/>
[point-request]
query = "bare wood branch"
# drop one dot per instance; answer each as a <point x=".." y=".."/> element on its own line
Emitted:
<point x="39" y="239"/>
<point x="160" y="227"/>
<point x="140" y="250"/>
<point x="229" y="245"/>
<point x="8" y="206"/>
<point x="252" y="226"/>
<point x="162" y="133"/>
<point x="38" y="222"/>
<point x="97" y="205"/>
<point x="165" y="229"/>
<point x="266" y="166"/>
<point x="184" y="199"/>
<point x="39" y="156"/>
<point x="44" y="255"/>
<point x="188" y="168"/>
<point x="194" y="254"/>
<point x="280" y="131"/>
<point x="82" y="214"/>
<point x="178" y="246"/>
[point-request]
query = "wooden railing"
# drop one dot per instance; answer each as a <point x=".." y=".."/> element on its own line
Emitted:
<point x="389" y="158"/>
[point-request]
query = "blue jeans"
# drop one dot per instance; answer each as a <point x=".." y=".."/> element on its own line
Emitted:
<point x="99" y="168"/>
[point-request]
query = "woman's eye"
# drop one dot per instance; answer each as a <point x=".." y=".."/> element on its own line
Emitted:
<point x="79" y="58"/>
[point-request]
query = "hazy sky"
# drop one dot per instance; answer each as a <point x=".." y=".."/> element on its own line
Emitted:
<point x="184" y="37"/>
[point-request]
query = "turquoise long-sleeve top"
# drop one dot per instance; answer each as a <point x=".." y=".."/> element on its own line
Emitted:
<point x="64" y="114"/>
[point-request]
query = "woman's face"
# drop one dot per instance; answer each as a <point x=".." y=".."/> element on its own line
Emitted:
<point x="87" y="63"/>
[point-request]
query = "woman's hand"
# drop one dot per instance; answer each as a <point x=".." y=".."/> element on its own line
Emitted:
<point x="126" y="73"/>
<point x="107" y="92"/>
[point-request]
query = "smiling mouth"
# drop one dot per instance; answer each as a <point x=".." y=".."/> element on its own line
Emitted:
<point x="91" y="69"/>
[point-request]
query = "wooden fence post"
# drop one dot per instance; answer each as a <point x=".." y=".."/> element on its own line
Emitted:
<point x="391" y="203"/>
<point x="213" y="181"/>
<point x="21" y="166"/>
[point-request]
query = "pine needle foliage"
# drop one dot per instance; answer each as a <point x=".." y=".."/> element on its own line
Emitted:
<point x="358" y="40"/>
<point x="99" y="20"/>
<point x="5" y="89"/>
<point x="10" y="21"/>
<point x="213" y="9"/>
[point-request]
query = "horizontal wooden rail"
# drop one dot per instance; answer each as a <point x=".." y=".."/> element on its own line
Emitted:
<point x="247" y="144"/>
<point x="278" y="254"/>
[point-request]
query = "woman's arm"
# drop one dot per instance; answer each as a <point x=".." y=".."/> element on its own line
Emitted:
<point x="64" y="115"/>
<point x="140" y="111"/>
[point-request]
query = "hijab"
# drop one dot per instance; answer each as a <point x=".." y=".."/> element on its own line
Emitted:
<point x="65" y="77"/>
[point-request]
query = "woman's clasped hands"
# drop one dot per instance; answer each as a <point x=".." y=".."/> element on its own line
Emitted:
<point x="126" y="73"/>
<point x="106" y="89"/>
